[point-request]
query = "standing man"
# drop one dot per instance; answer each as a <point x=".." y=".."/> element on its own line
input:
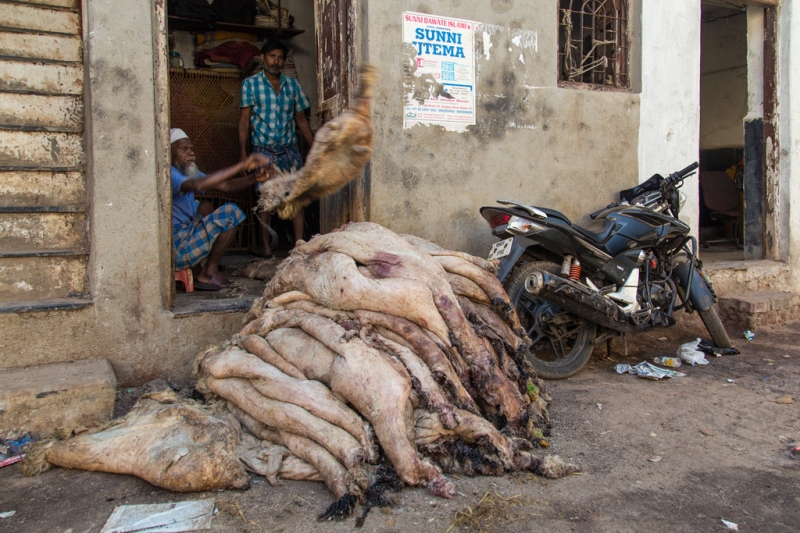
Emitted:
<point x="270" y="104"/>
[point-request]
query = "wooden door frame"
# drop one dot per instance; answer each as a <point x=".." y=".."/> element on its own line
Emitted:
<point x="351" y="204"/>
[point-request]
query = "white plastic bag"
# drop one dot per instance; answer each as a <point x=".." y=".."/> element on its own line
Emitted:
<point x="689" y="353"/>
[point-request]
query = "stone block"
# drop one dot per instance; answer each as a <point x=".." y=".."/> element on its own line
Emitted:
<point x="38" y="399"/>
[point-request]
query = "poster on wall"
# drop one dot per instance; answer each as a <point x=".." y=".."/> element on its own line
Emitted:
<point x="438" y="71"/>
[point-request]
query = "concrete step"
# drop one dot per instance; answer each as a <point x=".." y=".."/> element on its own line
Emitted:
<point x="738" y="277"/>
<point x="39" y="399"/>
<point x="752" y="310"/>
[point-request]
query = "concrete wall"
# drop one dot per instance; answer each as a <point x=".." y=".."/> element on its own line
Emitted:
<point x="788" y="188"/>
<point x="128" y="270"/>
<point x="670" y="99"/>
<point x="723" y="82"/>
<point x="567" y="149"/>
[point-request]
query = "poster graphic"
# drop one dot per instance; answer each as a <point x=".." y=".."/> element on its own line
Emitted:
<point x="439" y="71"/>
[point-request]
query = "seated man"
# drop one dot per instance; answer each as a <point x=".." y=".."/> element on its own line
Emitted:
<point x="194" y="235"/>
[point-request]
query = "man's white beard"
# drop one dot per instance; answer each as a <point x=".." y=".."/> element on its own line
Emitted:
<point x="191" y="171"/>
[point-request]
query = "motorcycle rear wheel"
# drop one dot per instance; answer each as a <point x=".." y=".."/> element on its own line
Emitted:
<point x="549" y="327"/>
<point x="715" y="328"/>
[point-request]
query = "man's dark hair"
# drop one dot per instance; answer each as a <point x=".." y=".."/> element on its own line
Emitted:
<point x="274" y="44"/>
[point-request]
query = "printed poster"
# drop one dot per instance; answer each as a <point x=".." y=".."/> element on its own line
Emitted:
<point x="439" y="71"/>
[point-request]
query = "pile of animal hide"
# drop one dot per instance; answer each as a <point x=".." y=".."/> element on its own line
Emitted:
<point x="169" y="441"/>
<point x="372" y="358"/>
<point x="368" y="346"/>
<point x="341" y="148"/>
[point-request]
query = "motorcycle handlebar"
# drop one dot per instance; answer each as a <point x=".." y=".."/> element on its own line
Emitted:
<point x="688" y="169"/>
<point x="679" y="175"/>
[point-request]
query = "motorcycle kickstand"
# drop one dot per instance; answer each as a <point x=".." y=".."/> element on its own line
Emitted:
<point x="625" y="343"/>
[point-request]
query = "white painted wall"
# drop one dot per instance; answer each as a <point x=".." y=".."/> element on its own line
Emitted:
<point x="788" y="208"/>
<point x="669" y="125"/>
<point x="755" y="63"/>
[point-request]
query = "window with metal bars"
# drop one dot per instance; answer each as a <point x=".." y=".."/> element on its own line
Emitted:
<point x="594" y="42"/>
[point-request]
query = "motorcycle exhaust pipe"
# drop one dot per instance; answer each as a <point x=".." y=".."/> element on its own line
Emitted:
<point x="579" y="300"/>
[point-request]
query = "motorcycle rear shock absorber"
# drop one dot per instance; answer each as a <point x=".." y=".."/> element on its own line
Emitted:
<point x="575" y="270"/>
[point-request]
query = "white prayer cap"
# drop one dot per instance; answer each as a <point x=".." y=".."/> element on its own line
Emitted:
<point x="176" y="134"/>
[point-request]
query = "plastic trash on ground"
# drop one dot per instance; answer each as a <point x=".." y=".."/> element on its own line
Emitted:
<point x="672" y="362"/>
<point x="690" y="353"/>
<point x="731" y="526"/>
<point x="749" y="335"/>
<point x="648" y="371"/>
<point x="7" y="514"/>
<point x="161" y="517"/>
<point x="11" y="460"/>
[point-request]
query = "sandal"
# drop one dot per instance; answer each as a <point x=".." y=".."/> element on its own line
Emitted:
<point x="216" y="283"/>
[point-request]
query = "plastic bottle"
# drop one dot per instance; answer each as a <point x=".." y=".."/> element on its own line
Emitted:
<point x="674" y="362"/>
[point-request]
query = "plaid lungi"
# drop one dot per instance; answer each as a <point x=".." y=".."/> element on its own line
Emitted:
<point x="193" y="241"/>
<point x="285" y="159"/>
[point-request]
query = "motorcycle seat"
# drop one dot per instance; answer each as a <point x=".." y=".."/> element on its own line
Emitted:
<point x="555" y="214"/>
<point x="598" y="230"/>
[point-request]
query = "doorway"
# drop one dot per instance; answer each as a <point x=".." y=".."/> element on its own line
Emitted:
<point x="207" y="64"/>
<point x="723" y="108"/>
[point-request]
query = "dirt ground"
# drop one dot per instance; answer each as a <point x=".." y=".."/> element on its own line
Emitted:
<point x="723" y="449"/>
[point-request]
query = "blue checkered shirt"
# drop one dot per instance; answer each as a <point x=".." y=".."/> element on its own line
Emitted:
<point x="272" y="115"/>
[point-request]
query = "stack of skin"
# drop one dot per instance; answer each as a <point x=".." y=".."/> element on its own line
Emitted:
<point x="368" y="344"/>
<point x="367" y="348"/>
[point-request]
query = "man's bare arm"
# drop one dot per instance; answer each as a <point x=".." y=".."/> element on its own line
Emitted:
<point x="238" y="184"/>
<point x="244" y="131"/>
<point x="216" y="181"/>
<point x="304" y="127"/>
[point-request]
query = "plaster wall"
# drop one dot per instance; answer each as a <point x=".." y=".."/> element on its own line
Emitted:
<point x="788" y="189"/>
<point x="755" y="62"/>
<point x="127" y="323"/>
<point x="670" y="99"/>
<point x="567" y="149"/>
<point x="723" y="82"/>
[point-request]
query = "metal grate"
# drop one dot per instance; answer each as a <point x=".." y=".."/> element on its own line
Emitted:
<point x="205" y="104"/>
<point x="594" y="42"/>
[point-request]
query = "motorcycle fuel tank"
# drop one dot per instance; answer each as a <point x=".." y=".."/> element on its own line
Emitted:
<point x="642" y="228"/>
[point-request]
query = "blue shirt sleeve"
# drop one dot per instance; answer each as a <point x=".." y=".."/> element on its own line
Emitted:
<point x="177" y="181"/>
<point x="301" y="102"/>
<point x="246" y="98"/>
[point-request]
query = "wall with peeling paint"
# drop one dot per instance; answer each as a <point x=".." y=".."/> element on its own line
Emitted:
<point x="128" y="272"/>
<point x="787" y="188"/>
<point x="567" y="149"/>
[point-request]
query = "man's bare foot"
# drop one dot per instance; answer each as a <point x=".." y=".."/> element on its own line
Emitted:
<point x="217" y="279"/>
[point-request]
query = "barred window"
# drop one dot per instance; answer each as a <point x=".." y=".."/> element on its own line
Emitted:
<point x="593" y="42"/>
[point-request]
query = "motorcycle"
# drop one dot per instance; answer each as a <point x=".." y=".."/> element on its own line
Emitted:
<point x="627" y="271"/>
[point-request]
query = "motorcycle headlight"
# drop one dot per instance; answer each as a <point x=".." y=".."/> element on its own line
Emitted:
<point x="682" y="200"/>
<point x="522" y="226"/>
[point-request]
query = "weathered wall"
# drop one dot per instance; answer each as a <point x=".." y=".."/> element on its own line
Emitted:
<point x="788" y="187"/>
<point x="567" y="149"/>
<point x="670" y="99"/>
<point x="723" y="82"/>
<point x="127" y="322"/>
